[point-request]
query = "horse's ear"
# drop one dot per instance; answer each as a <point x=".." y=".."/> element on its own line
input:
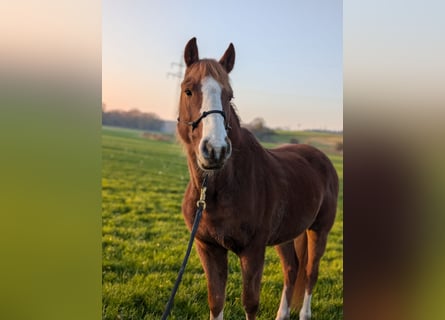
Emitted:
<point x="228" y="59"/>
<point x="191" y="52"/>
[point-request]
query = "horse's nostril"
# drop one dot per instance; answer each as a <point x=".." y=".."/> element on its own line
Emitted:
<point x="222" y="154"/>
<point x="206" y="149"/>
<point x="211" y="152"/>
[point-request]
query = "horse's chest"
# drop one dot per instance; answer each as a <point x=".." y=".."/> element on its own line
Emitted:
<point x="232" y="234"/>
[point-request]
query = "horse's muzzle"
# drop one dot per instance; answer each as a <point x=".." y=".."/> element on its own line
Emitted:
<point x="213" y="155"/>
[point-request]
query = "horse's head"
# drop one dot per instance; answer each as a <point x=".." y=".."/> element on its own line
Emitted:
<point x="204" y="109"/>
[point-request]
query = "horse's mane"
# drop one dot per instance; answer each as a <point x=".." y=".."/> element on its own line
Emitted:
<point x="234" y="115"/>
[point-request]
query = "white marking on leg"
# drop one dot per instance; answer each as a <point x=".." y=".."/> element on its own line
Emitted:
<point x="219" y="317"/>
<point x="213" y="130"/>
<point x="284" y="310"/>
<point x="305" y="312"/>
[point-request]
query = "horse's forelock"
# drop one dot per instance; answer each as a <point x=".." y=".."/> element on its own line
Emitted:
<point x="208" y="67"/>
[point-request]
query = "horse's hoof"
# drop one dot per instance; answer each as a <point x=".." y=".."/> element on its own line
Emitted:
<point x="305" y="316"/>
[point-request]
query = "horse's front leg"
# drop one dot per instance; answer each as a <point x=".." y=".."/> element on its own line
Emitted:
<point x="214" y="262"/>
<point x="252" y="262"/>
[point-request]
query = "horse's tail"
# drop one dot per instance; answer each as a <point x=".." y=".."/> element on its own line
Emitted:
<point x="300" y="245"/>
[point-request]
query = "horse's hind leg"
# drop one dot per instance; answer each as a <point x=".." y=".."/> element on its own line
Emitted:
<point x="289" y="264"/>
<point x="316" y="244"/>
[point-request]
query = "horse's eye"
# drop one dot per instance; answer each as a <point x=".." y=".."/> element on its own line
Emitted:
<point x="188" y="92"/>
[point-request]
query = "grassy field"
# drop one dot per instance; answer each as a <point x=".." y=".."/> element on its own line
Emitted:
<point x="144" y="239"/>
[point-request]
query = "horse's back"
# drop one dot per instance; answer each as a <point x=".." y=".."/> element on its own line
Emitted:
<point x="307" y="155"/>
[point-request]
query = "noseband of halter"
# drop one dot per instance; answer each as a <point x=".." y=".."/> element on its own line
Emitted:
<point x="195" y="123"/>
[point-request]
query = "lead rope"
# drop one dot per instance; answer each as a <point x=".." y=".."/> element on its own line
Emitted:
<point x="201" y="204"/>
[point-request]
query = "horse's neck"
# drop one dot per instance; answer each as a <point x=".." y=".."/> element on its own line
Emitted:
<point x="246" y="143"/>
<point x="196" y="174"/>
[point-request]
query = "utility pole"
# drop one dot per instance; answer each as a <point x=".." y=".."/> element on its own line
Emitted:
<point x="178" y="74"/>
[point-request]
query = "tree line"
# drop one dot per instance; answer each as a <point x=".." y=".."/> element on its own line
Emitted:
<point x="133" y="119"/>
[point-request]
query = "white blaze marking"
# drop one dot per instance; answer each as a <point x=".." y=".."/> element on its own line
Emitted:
<point x="219" y="317"/>
<point x="305" y="312"/>
<point x="213" y="128"/>
<point x="284" y="310"/>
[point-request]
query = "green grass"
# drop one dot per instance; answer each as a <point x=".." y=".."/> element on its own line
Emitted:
<point x="144" y="240"/>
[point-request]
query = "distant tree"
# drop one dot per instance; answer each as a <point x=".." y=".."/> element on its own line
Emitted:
<point x="133" y="118"/>
<point x="257" y="124"/>
<point x="258" y="127"/>
<point x="294" y="141"/>
<point x="339" y="146"/>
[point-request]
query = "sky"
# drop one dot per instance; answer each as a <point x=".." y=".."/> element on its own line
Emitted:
<point x="288" y="67"/>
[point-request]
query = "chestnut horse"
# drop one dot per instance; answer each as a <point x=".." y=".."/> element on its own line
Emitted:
<point x="256" y="197"/>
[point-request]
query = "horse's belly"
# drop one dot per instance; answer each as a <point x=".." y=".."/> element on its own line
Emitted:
<point x="289" y="225"/>
<point x="285" y="237"/>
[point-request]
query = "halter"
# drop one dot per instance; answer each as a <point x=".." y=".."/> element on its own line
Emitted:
<point x="195" y="123"/>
